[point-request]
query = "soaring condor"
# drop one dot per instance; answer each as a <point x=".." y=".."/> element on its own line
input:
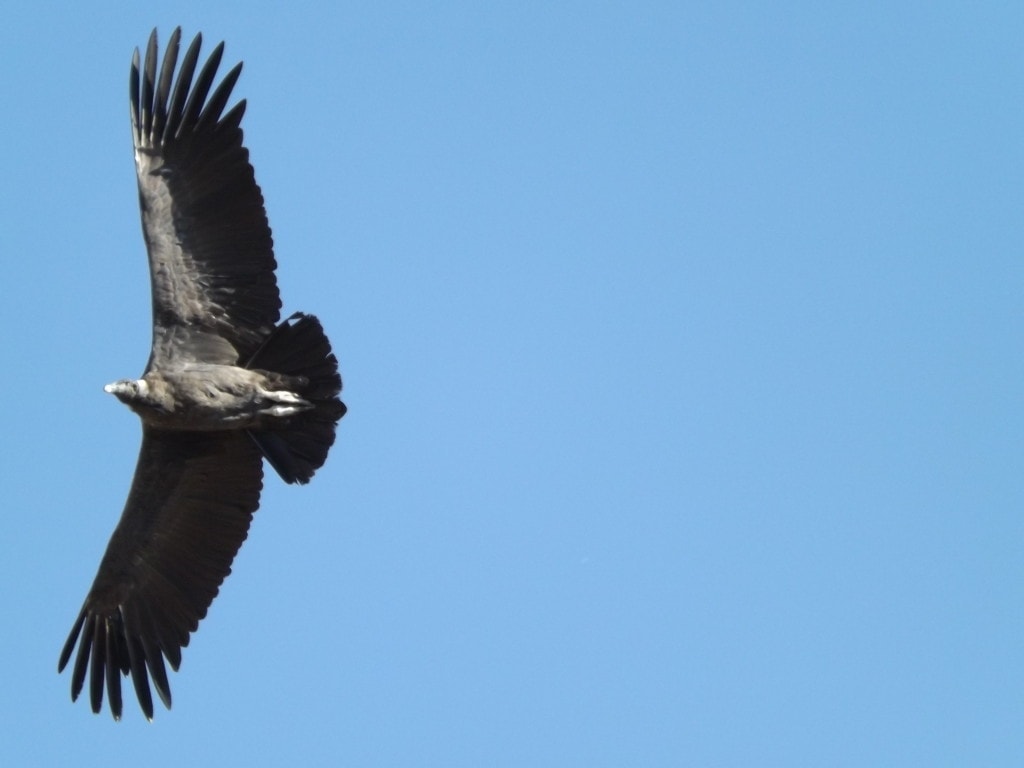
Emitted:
<point x="226" y="386"/>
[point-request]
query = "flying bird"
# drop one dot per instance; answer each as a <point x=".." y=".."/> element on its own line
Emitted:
<point x="226" y="386"/>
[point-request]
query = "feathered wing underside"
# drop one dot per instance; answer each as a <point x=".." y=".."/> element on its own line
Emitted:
<point x="187" y="514"/>
<point x="211" y="255"/>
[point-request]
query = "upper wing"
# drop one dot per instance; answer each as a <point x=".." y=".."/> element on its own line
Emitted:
<point x="211" y="255"/>
<point x="187" y="514"/>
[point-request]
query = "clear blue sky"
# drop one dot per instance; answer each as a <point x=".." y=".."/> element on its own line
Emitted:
<point x="682" y="345"/>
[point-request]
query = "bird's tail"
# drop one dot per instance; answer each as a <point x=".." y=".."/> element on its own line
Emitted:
<point x="297" y="446"/>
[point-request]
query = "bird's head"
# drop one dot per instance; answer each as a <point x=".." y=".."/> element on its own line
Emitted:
<point x="129" y="391"/>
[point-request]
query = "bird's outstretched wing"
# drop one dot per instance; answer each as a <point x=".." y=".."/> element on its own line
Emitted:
<point x="211" y="255"/>
<point x="188" y="512"/>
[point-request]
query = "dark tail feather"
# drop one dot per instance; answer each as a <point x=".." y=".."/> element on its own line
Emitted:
<point x="298" y="348"/>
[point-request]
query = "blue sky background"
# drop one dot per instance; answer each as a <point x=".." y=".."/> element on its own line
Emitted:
<point x="682" y="343"/>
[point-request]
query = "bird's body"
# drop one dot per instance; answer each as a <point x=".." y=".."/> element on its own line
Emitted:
<point x="226" y="386"/>
<point x="210" y="397"/>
